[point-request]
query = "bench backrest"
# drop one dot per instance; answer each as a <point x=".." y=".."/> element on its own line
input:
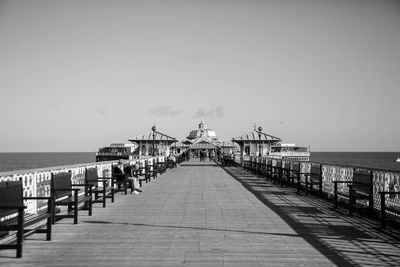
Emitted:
<point x="147" y="166"/>
<point x="315" y="170"/>
<point x="118" y="174"/>
<point x="91" y="176"/>
<point x="61" y="180"/>
<point x="278" y="164"/>
<point x="269" y="162"/>
<point x="295" y="167"/>
<point x="362" y="177"/>
<point x="11" y="194"/>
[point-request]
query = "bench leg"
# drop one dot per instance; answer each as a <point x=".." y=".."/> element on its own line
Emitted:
<point x="53" y="213"/>
<point x="76" y="208"/>
<point x="90" y="208"/>
<point x="20" y="233"/>
<point x="335" y="196"/>
<point x="298" y="184"/>
<point x="104" y="194"/>
<point x="351" y="200"/>
<point x="383" y="211"/>
<point x="320" y="187"/>
<point x="307" y="177"/>
<point x="49" y="220"/>
<point x="48" y="229"/>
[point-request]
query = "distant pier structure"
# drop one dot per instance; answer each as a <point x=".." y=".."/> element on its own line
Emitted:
<point x="203" y="139"/>
<point x="156" y="143"/>
<point x="153" y="143"/>
<point x="256" y="142"/>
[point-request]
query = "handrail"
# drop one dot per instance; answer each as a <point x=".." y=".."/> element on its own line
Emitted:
<point x="36" y="182"/>
<point x="334" y="165"/>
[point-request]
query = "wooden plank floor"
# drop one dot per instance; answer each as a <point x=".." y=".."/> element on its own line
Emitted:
<point x="200" y="215"/>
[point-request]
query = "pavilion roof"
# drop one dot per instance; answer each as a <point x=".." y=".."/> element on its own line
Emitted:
<point x="147" y="137"/>
<point x="224" y="144"/>
<point x="254" y="136"/>
<point x="202" y="145"/>
<point x="180" y="145"/>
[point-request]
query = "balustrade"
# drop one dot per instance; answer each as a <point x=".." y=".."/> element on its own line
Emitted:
<point x="382" y="180"/>
<point x="36" y="182"/>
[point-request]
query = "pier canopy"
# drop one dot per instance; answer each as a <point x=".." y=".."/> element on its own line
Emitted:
<point x="256" y="142"/>
<point x="202" y="139"/>
<point x="203" y="143"/>
<point x="160" y="141"/>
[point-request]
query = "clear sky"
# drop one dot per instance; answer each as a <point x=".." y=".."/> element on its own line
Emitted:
<point x="78" y="75"/>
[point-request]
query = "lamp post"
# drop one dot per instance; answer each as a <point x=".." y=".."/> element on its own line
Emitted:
<point x="259" y="140"/>
<point x="154" y="136"/>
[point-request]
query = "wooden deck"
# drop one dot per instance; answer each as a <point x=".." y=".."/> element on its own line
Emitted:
<point x="200" y="215"/>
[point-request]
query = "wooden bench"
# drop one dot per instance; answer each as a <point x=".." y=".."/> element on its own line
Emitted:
<point x="277" y="172"/>
<point x="227" y="161"/>
<point x="268" y="168"/>
<point x="292" y="174"/>
<point x="394" y="211"/>
<point x="171" y="163"/>
<point x="360" y="188"/>
<point x="253" y="165"/>
<point x="259" y="166"/>
<point x="288" y="177"/>
<point x="180" y="159"/>
<point x="64" y="194"/>
<point x="101" y="188"/>
<point x="263" y="167"/>
<point x="246" y="164"/>
<point x="143" y="173"/>
<point x="161" y="166"/>
<point x="151" y="169"/>
<point x="11" y="199"/>
<point x="313" y="180"/>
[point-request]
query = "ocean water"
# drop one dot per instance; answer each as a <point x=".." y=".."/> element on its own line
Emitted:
<point x="375" y="160"/>
<point x="22" y="161"/>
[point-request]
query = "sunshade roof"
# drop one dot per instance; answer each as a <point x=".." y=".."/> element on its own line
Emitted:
<point x="255" y="137"/>
<point x="202" y="145"/>
<point x="149" y="137"/>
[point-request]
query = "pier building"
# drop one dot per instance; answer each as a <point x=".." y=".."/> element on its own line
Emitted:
<point x="205" y="139"/>
<point x="153" y="143"/>
<point x="116" y="151"/>
<point x="256" y="142"/>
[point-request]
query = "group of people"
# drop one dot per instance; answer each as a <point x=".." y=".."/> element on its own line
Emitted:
<point x="204" y="154"/>
<point x="130" y="174"/>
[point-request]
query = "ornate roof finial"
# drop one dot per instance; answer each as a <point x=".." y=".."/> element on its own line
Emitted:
<point x="202" y="125"/>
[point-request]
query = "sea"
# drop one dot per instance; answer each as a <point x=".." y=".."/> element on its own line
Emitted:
<point x="373" y="160"/>
<point x="21" y="161"/>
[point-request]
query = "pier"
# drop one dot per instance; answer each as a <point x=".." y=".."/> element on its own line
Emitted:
<point x="201" y="214"/>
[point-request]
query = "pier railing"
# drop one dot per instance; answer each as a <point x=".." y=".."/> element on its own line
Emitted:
<point x="36" y="182"/>
<point x="382" y="180"/>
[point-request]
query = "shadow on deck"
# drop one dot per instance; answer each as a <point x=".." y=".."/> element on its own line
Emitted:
<point x="343" y="239"/>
